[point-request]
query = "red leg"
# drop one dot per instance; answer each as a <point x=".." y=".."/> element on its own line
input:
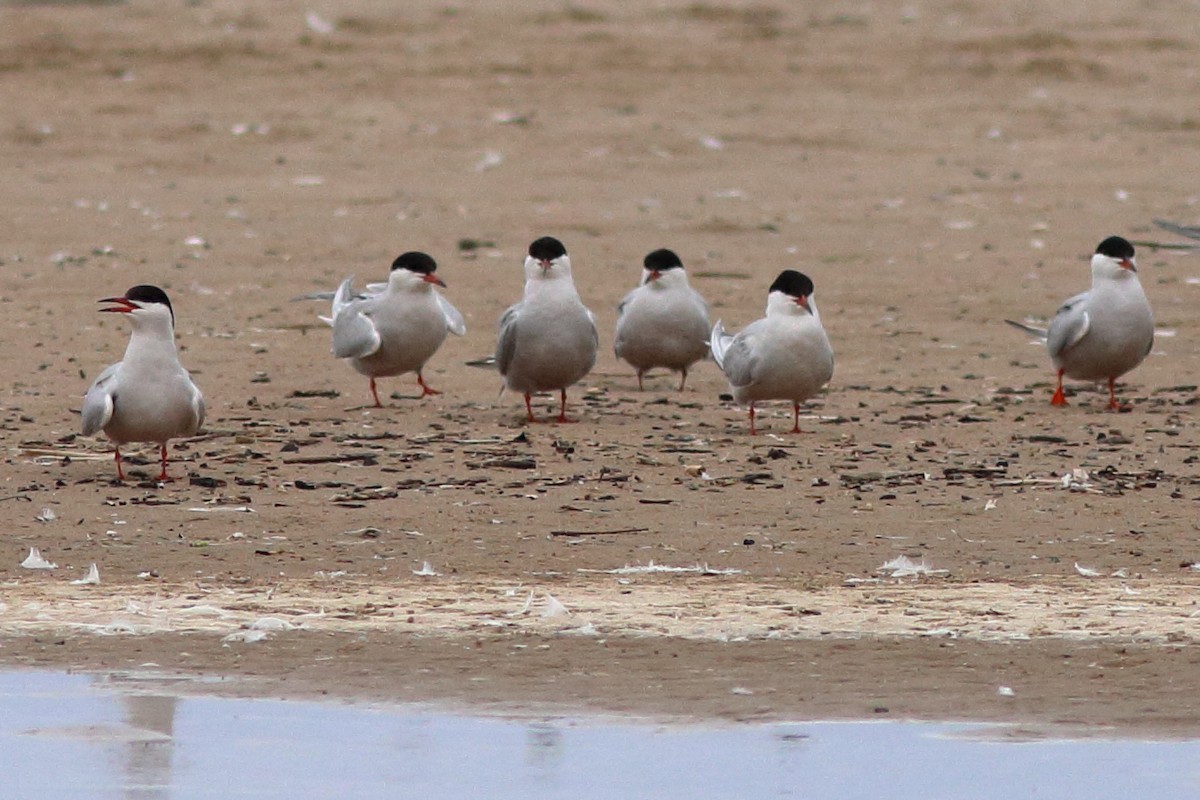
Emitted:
<point x="562" y="414"/>
<point x="425" y="390"/>
<point x="1059" y="398"/>
<point x="795" y="417"/>
<point x="683" y="379"/>
<point x="529" y="408"/>
<point x="1112" y="395"/>
<point x="752" y="430"/>
<point x="162" y="454"/>
<point x="375" y="394"/>
<point x="117" y="458"/>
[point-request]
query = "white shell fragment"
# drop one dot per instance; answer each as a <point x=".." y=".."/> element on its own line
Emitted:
<point x="490" y="159"/>
<point x="91" y="579"/>
<point x="318" y="24"/>
<point x="35" y="561"/>
<point x="215" y="509"/>
<point x="271" y="624"/>
<point x="903" y="567"/>
<point x="553" y="607"/>
<point x="652" y="567"/>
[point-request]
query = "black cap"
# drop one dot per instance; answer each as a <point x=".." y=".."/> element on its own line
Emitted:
<point x="1115" y="247"/>
<point x="547" y="248"/>
<point x="795" y="284"/>
<point x="145" y="293"/>
<point x="662" y="260"/>
<point x="417" y="262"/>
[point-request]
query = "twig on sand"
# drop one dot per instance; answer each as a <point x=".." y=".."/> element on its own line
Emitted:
<point x="340" y="458"/>
<point x="599" y="533"/>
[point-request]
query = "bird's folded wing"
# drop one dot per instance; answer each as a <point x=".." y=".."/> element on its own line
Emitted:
<point x="197" y="406"/>
<point x="98" y="403"/>
<point x="454" y="320"/>
<point x="506" y="342"/>
<point x="595" y="332"/>
<point x="1032" y="330"/>
<point x="1069" y="325"/>
<point x="624" y="302"/>
<point x="739" y="362"/>
<point x="354" y="334"/>
<point x="719" y="342"/>
<point x="343" y="297"/>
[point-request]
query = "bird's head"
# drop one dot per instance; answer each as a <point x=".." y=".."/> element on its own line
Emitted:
<point x="547" y="258"/>
<point x="414" y="270"/>
<point x="791" y="293"/>
<point x="662" y="268"/>
<point x="1114" y="259"/>
<point x="142" y="302"/>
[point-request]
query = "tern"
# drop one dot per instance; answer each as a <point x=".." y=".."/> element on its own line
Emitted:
<point x="1102" y="333"/>
<point x="664" y="321"/>
<point x="784" y="356"/>
<point x="394" y="327"/>
<point x="147" y="396"/>
<point x="548" y="340"/>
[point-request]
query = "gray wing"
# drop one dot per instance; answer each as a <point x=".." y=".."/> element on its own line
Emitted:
<point x="354" y="333"/>
<point x="197" y="405"/>
<point x="99" y="401"/>
<point x="1070" y="324"/>
<point x="1182" y="230"/>
<point x="1032" y="330"/>
<point x="624" y="302"/>
<point x="371" y="290"/>
<point x="618" y="339"/>
<point x="506" y="342"/>
<point x="454" y="320"/>
<point x="595" y="332"/>
<point x="718" y="343"/>
<point x="740" y="360"/>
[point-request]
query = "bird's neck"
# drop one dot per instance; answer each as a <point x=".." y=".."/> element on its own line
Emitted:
<point x="409" y="286"/>
<point x="152" y="342"/>
<point x="551" y="288"/>
<point x="1121" y="286"/>
<point x="783" y="306"/>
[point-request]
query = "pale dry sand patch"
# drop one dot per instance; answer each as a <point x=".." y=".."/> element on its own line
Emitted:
<point x="1142" y="612"/>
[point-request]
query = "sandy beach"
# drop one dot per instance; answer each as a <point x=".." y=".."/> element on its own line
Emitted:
<point x="938" y="532"/>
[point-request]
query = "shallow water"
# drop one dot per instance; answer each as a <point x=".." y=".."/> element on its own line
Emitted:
<point x="88" y="736"/>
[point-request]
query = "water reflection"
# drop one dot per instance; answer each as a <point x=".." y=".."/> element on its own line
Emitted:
<point x="147" y="761"/>
<point x="66" y="736"/>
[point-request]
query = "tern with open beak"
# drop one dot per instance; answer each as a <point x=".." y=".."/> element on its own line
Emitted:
<point x="147" y="396"/>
